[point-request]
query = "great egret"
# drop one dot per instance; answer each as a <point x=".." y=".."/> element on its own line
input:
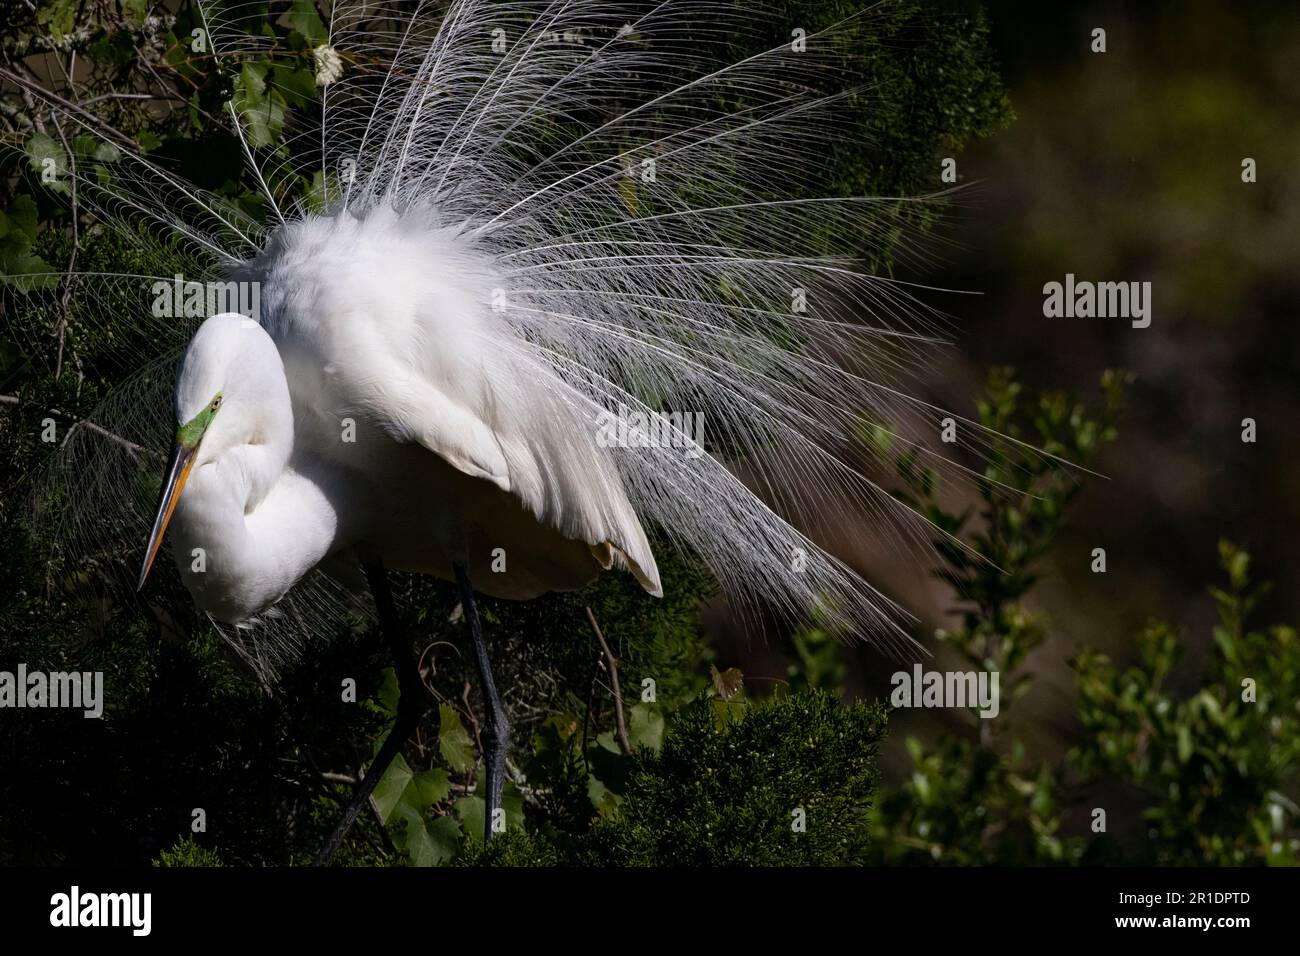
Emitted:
<point x="518" y="240"/>
<point x="453" y="452"/>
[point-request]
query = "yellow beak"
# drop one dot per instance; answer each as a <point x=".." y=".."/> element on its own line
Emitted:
<point x="178" y="472"/>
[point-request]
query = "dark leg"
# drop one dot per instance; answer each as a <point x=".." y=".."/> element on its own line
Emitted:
<point x="411" y="706"/>
<point x="496" y="729"/>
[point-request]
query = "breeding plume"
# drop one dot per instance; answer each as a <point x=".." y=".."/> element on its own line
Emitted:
<point x="530" y="221"/>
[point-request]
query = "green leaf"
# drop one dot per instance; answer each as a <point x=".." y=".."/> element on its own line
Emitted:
<point x="446" y="837"/>
<point x="262" y="109"/>
<point x="297" y="86"/>
<point x="106" y="152"/>
<point x="472" y="812"/>
<point x="16" y="256"/>
<point x="627" y="192"/>
<point x="316" y="193"/>
<point x="266" y="122"/>
<point x="112" y="49"/>
<point x="645" y="726"/>
<point x="726" y="711"/>
<point x="25" y="272"/>
<point x="42" y="151"/>
<point x="453" y="740"/>
<point x="60" y="16"/>
<point x="392" y="786"/>
<point x="401" y="785"/>
<point x="554" y="747"/>
<point x="605" y="800"/>
<point x="513" y="803"/>
<point x="302" y="17"/>
<point x="608" y="764"/>
<point x="426" y="843"/>
<point x="433" y="786"/>
<point x="252" y="81"/>
<point x="23" y="217"/>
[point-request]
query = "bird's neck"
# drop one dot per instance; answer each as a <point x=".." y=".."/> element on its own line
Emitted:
<point x="247" y="528"/>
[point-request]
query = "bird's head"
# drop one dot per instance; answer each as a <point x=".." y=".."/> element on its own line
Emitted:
<point x="229" y="388"/>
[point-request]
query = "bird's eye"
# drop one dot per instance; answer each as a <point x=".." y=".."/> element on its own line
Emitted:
<point x="216" y="403"/>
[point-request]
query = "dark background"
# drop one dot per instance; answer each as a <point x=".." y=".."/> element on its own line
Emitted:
<point x="1127" y="166"/>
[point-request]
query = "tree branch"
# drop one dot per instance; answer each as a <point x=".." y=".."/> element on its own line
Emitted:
<point x="623" y="743"/>
<point x="28" y="88"/>
<point x="131" y="96"/>
<point x="86" y="423"/>
<point x="65" y="300"/>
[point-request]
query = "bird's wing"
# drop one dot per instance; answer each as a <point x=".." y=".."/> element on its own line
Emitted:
<point x="529" y="438"/>
<point x="412" y="408"/>
<point x="543" y="434"/>
<point x="379" y="318"/>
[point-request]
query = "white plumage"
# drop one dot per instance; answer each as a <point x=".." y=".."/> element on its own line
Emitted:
<point x="380" y="408"/>
<point x="520" y="237"/>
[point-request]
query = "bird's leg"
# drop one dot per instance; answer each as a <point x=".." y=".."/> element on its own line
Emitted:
<point x="496" y="729"/>
<point x="411" y="705"/>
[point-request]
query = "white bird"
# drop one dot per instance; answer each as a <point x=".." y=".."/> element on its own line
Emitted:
<point x="377" y="410"/>
<point x="521" y="241"/>
<point x="375" y="414"/>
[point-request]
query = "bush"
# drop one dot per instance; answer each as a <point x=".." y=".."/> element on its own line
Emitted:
<point x="782" y="782"/>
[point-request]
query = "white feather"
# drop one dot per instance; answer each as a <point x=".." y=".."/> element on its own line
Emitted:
<point x="497" y="270"/>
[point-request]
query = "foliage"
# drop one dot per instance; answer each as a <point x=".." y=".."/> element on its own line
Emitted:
<point x="783" y="781"/>
<point x="735" y="786"/>
<point x="924" y="86"/>
<point x="1219" y="766"/>
<point x="1213" y="771"/>
<point x="817" y="661"/>
<point x="187" y="853"/>
<point x="977" y="799"/>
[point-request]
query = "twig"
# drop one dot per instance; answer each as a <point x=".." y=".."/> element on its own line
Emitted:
<point x="67" y="74"/>
<point x="87" y="423"/>
<point x="130" y="446"/>
<point x="29" y="87"/>
<point x="66" y="299"/>
<point x="623" y="743"/>
<point x="586" y="712"/>
<point x="169" y="97"/>
<point x="173" y="89"/>
<point x="30" y="102"/>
